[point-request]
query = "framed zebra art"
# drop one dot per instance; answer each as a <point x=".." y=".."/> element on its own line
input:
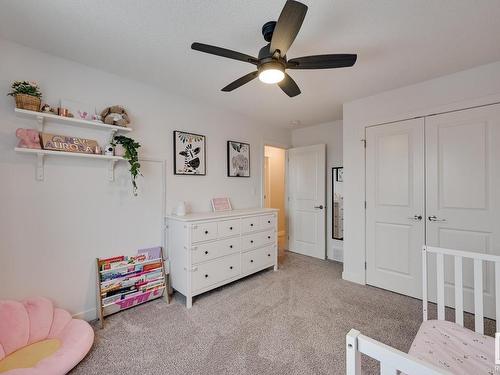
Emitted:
<point x="238" y="159"/>
<point x="189" y="154"/>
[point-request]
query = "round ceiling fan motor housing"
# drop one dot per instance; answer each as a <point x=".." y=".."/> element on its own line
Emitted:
<point x="267" y="30"/>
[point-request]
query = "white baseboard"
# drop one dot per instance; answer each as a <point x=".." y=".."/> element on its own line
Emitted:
<point x="87" y="315"/>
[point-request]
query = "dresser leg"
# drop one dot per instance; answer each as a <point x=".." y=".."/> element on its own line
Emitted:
<point x="275" y="267"/>
<point x="189" y="302"/>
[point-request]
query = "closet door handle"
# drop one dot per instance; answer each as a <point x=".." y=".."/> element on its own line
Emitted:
<point x="416" y="217"/>
<point x="435" y="218"/>
<point x="320" y="206"/>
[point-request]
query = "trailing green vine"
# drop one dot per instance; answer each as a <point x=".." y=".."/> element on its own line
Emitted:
<point x="130" y="146"/>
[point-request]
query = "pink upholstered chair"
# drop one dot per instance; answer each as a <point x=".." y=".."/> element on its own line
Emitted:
<point x="38" y="339"/>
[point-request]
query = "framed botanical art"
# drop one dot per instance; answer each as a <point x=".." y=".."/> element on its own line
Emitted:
<point x="189" y="154"/>
<point x="238" y="159"/>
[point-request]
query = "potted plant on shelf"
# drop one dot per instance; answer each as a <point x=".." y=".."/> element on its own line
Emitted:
<point x="27" y="95"/>
<point x="130" y="146"/>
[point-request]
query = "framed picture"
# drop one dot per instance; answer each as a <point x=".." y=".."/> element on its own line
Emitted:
<point x="238" y="159"/>
<point x="221" y="204"/>
<point x="189" y="154"/>
<point x="340" y="174"/>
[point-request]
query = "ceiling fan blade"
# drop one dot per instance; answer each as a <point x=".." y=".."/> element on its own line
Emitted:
<point x="289" y="86"/>
<point x="241" y="81"/>
<point x="213" y="50"/>
<point x="322" y="61"/>
<point x="288" y="26"/>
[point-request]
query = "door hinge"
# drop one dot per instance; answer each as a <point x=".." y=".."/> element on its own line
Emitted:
<point x="365" y="266"/>
<point x="365" y="205"/>
<point x="364" y="142"/>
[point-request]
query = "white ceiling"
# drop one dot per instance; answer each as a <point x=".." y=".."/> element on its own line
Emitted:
<point x="398" y="42"/>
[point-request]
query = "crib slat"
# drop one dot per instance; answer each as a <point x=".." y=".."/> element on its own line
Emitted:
<point x="497" y="294"/>
<point x="385" y="369"/>
<point x="459" y="292"/>
<point x="440" y="285"/>
<point x="478" y="296"/>
<point x="424" y="282"/>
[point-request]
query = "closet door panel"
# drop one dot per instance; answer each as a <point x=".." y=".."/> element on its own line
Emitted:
<point x="463" y="193"/>
<point x="395" y="204"/>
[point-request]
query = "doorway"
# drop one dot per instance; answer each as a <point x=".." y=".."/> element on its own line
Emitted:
<point x="274" y="190"/>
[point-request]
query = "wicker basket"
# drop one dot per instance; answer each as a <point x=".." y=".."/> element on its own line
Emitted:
<point x="31" y="103"/>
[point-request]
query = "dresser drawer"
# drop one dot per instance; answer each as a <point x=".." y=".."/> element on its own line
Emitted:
<point x="251" y="241"/>
<point x="267" y="237"/>
<point x="203" y="232"/>
<point x="213" y="272"/>
<point x="254" y="260"/>
<point x="211" y="250"/>
<point x="228" y="228"/>
<point x="250" y="224"/>
<point x="268" y="221"/>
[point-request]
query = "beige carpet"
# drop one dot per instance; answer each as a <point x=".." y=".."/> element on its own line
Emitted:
<point x="292" y="321"/>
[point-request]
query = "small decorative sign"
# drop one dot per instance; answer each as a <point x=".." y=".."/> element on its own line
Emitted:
<point x="68" y="144"/>
<point x="221" y="204"/>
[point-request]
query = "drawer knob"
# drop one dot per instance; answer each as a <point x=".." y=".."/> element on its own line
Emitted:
<point x="268" y="255"/>
<point x="206" y="232"/>
<point x="230" y="228"/>
<point x="230" y="246"/>
<point x="268" y="237"/>
<point x="206" y="275"/>
<point x="251" y="241"/>
<point x="230" y="267"/>
<point x="251" y="260"/>
<point x="251" y="224"/>
<point x="269" y="221"/>
<point x="206" y="252"/>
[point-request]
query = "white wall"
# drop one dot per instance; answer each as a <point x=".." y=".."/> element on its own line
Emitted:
<point x="472" y="87"/>
<point x="329" y="133"/>
<point x="33" y="256"/>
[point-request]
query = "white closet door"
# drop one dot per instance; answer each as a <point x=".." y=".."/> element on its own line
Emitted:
<point x="395" y="206"/>
<point x="463" y="193"/>
<point x="307" y="184"/>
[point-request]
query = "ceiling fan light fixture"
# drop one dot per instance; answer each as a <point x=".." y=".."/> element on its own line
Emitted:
<point x="271" y="73"/>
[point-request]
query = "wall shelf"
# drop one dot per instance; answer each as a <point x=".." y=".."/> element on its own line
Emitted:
<point x="41" y="117"/>
<point x="41" y="154"/>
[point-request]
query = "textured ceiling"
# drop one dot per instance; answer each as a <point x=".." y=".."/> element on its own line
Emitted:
<point x="398" y="42"/>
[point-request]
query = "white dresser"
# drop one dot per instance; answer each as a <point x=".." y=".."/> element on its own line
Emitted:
<point x="207" y="250"/>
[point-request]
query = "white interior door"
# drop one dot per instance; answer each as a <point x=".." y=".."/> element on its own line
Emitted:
<point x="395" y="229"/>
<point x="463" y="193"/>
<point x="306" y="189"/>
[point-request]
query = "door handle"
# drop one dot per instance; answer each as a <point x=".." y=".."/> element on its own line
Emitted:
<point x="435" y="218"/>
<point x="416" y="217"/>
<point x="320" y="206"/>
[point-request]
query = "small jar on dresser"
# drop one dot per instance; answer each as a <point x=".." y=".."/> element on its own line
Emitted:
<point x="207" y="250"/>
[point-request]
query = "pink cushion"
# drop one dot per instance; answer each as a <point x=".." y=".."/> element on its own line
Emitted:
<point x="40" y="314"/>
<point x="36" y="319"/>
<point x="61" y="319"/>
<point x="14" y="326"/>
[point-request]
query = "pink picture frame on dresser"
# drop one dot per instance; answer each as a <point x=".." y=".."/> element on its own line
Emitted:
<point x="221" y="204"/>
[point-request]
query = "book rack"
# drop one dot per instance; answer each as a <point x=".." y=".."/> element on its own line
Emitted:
<point x="128" y="281"/>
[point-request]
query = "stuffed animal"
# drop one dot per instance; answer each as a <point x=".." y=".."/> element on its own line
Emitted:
<point x="28" y="138"/>
<point x="115" y="115"/>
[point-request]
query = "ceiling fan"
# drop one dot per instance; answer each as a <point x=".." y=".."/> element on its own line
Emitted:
<point x="272" y="61"/>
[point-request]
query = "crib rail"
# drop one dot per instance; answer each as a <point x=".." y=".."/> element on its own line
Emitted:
<point x="458" y="257"/>
<point x="391" y="360"/>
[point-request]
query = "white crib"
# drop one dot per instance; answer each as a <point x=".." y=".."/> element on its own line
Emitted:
<point x="420" y="362"/>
